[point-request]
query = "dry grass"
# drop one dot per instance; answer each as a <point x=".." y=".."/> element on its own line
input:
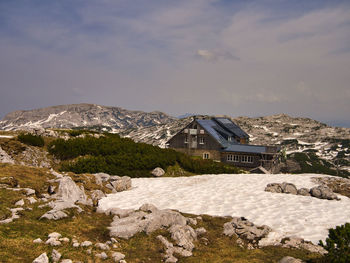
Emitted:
<point x="16" y="238"/>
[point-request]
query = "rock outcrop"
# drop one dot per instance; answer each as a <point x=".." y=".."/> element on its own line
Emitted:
<point x="246" y="232"/>
<point x="5" y="158"/>
<point x="128" y="222"/>
<point x="321" y="192"/>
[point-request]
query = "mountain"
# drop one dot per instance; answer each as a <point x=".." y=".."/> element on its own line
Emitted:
<point x="82" y="115"/>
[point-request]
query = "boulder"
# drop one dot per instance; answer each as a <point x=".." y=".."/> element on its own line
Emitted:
<point x="323" y="192"/>
<point x="121" y="184"/>
<point x="20" y="203"/>
<point x="41" y="259"/>
<point x="102" y="255"/>
<point x="54" y="235"/>
<point x="274" y="188"/>
<point x="101" y="178"/>
<point x="69" y="192"/>
<point x="102" y="246"/>
<point x="158" y="172"/>
<point x="37" y="241"/>
<point x="304" y="192"/>
<point x="296" y="242"/>
<point x="289" y="188"/>
<point x="97" y="195"/>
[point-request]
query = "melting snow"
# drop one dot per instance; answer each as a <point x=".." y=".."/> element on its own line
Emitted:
<point x="240" y="195"/>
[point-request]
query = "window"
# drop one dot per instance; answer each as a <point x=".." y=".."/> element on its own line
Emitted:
<point x="247" y="159"/>
<point x="232" y="158"/>
<point x="229" y="138"/>
<point x="186" y="139"/>
<point x="201" y="140"/>
<point x="206" y="156"/>
<point x="201" y="131"/>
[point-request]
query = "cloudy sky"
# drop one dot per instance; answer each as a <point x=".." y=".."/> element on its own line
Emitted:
<point x="249" y="58"/>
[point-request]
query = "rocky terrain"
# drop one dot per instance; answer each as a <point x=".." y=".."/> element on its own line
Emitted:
<point x="307" y="143"/>
<point x="82" y="115"/>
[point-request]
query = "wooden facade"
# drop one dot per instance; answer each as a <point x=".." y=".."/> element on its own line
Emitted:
<point x="210" y="139"/>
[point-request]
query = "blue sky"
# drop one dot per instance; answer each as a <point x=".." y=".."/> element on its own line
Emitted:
<point x="248" y="58"/>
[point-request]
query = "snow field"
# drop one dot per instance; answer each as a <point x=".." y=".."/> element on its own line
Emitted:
<point x="241" y="195"/>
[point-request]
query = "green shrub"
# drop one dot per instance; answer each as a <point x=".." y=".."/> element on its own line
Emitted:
<point x="122" y="156"/>
<point x="338" y="244"/>
<point x="30" y="139"/>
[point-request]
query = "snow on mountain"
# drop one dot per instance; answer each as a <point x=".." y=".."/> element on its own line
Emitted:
<point x="82" y="115"/>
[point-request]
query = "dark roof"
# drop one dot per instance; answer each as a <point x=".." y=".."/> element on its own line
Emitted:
<point x="231" y="127"/>
<point x="221" y="128"/>
<point x="245" y="148"/>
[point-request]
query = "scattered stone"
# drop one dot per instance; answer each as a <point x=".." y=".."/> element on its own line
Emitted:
<point x="64" y="239"/>
<point x="54" y="235"/>
<point x="29" y="191"/>
<point x="96" y="195"/>
<point x="86" y="244"/>
<point x="41" y="259"/>
<point x="66" y="261"/>
<point x="290" y="260"/>
<point x="114" y="240"/>
<point x="148" y="208"/>
<point x="37" y="241"/>
<point x="183" y="236"/>
<point x="89" y="251"/>
<point x="76" y="244"/>
<point x="102" y="255"/>
<point x="200" y="231"/>
<point x="53" y="242"/>
<point x="14" y="215"/>
<point x="158" y="172"/>
<point x="32" y="200"/>
<point x="55" y="255"/>
<point x="242" y="228"/>
<point x="20" y="203"/>
<point x="117" y="256"/>
<point x="102" y="246"/>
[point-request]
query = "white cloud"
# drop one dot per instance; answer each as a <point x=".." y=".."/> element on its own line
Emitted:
<point x="214" y="55"/>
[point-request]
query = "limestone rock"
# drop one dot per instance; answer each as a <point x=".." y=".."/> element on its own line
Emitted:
<point x="296" y="242"/>
<point x="41" y="259"/>
<point x="5" y="158"/>
<point x="97" y="195"/>
<point x="54" y="215"/>
<point x="244" y="229"/>
<point x="66" y="261"/>
<point x="32" y="200"/>
<point x="102" y="255"/>
<point x="101" y="178"/>
<point x="183" y="236"/>
<point x="323" y="192"/>
<point x="121" y="184"/>
<point x="117" y="256"/>
<point x="68" y="191"/>
<point x="102" y="246"/>
<point x="37" y="241"/>
<point x="86" y="244"/>
<point x="274" y="188"/>
<point x="200" y="231"/>
<point x="304" y="192"/>
<point x="20" y="203"/>
<point x="158" y="172"/>
<point x="55" y="255"/>
<point x="54" y="235"/>
<point x="289" y="188"/>
<point x="53" y="242"/>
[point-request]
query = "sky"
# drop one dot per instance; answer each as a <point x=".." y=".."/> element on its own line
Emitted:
<point x="239" y="58"/>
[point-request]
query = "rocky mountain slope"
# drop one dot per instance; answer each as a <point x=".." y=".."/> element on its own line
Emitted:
<point x="82" y="115"/>
<point x="296" y="135"/>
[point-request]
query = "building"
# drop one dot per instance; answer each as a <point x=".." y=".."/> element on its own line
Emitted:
<point x="222" y="140"/>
